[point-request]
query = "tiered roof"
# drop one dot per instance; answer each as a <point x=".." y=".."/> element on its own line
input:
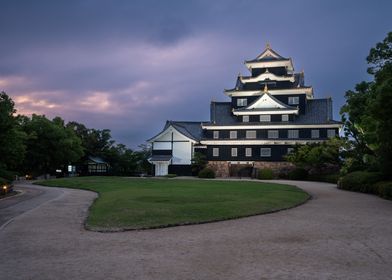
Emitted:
<point x="318" y="111"/>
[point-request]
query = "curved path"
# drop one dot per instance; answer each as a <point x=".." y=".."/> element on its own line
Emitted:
<point x="336" y="235"/>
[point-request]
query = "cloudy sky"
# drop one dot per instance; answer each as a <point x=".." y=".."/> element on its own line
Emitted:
<point x="131" y="65"/>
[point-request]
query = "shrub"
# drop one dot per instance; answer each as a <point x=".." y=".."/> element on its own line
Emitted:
<point x="265" y="174"/>
<point x="384" y="189"/>
<point x="360" y="181"/>
<point x="4" y="181"/>
<point x="207" y="173"/>
<point x="9" y="175"/>
<point x="170" y="175"/>
<point x="298" y="174"/>
<point x="329" y="178"/>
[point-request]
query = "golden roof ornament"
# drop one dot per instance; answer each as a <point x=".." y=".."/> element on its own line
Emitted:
<point x="265" y="88"/>
<point x="268" y="46"/>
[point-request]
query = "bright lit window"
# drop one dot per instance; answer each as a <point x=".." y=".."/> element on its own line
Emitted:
<point x="285" y="118"/>
<point x="215" y="152"/>
<point x="289" y="150"/>
<point x="216" y="134"/>
<point x="245" y="118"/>
<point x="233" y="134"/>
<point x="233" y="152"/>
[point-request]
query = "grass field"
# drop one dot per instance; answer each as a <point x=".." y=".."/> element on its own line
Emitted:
<point x="138" y="203"/>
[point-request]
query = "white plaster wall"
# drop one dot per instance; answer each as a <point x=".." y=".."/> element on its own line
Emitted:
<point x="162" y="146"/>
<point x="182" y="152"/>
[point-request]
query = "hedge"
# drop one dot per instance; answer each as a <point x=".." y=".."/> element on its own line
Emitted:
<point x="207" y="173"/>
<point x="384" y="189"/>
<point x="265" y="174"/>
<point x="298" y="174"/>
<point x="329" y="178"/>
<point x="360" y="181"/>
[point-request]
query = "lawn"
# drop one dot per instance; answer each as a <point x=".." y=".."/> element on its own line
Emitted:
<point x="139" y="203"/>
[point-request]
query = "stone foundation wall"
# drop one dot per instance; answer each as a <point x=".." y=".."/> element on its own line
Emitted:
<point x="275" y="166"/>
<point x="222" y="168"/>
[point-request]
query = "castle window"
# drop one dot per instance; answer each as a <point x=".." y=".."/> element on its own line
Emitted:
<point x="233" y="152"/>
<point x="233" y="134"/>
<point x="285" y="118"/>
<point x="331" y="133"/>
<point x="215" y="152"/>
<point x="265" y="152"/>
<point x="292" y="134"/>
<point x="315" y="133"/>
<point x="293" y="100"/>
<point x="251" y="134"/>
<point x="216" y="134"/>
<point x="273" y="134"/>
<point x="289" y="150"/>
<point x="248" y="152"/>
<point x="265" y="118"/>
<point x="245" y="118"/>
<point x="242" y="102"/>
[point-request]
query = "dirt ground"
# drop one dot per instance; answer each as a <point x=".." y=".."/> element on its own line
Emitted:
<point x="336" y="235"/>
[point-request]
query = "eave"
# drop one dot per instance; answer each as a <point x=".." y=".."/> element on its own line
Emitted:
<point x="269" y="64"/>
<point x="268" y="126"/>
<point x="265" y="112"/>
<point x="299" y="90"/>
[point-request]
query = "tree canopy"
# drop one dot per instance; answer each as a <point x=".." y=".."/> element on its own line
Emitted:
<point x="38" y="145"/>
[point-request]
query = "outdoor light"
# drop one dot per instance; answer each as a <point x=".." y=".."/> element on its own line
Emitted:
<point x="4" y="187"/>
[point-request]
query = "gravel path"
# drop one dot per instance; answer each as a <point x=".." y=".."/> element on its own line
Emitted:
<point x="336" y="235"/>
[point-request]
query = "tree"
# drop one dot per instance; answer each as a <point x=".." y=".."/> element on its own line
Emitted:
<point x="95" y="142"/>
<point x="380" y="61"/>
<point x="12" y="138"/>
<point x="366" y="114"/>
<point x="50" y="145"/>
<point x="199" y="162"/>
<point x="317" y="157"/>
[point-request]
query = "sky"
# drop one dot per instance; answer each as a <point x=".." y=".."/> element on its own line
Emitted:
<point x="129" y="66"/>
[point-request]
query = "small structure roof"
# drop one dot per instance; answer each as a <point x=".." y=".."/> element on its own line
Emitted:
<point x="96" y="160"/>
<point x="190" y="129"/>
<point x="268" y="55"/>
<point x="154" y="158"/>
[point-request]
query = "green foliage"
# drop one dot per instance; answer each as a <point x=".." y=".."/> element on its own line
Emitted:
<point x="50" y="145"/>
<point x="384" y="189"/>
<point x="298" y="174"/>
<point x="199" y="162"/>
<point x="135" y="203"/>
<point x="360" y="181"/>
<point x="317" y="155"/>
<point x="12" y="147"/>
<point x="329" y="178"/>
<point x="265" y="174"/>
<point x="4" y="181"/>
<point x="9" y="175"/>
<point x="366" y="115"/>
<point x="207" y="173"/>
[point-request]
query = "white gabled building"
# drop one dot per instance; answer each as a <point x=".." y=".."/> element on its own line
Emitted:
<point x="173" y="148"/>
